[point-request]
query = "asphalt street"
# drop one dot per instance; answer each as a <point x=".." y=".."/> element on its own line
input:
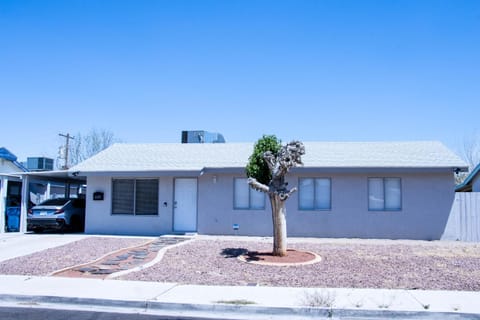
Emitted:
<point x="33" y="313"/>
<point x="39" y="313"/>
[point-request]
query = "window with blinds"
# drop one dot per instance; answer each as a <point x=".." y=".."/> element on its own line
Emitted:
<point x="245" y="198"/>
<point x="315" y="194"/>
<point x="135" y="196"/>
<point x="384" y="194"/>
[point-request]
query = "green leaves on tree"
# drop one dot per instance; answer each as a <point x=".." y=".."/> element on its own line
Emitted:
<point x="257" y="167"/>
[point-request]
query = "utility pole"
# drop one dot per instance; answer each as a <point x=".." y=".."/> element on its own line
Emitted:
<point x="67" y="141"/>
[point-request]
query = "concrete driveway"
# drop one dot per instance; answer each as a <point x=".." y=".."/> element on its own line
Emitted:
<point x="16" y="244"/>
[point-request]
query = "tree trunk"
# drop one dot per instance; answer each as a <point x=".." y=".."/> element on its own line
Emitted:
<point x="279" y="225"/>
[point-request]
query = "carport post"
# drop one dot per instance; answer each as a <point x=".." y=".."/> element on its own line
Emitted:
<point x="67" y="190"/>
<point x="24" y="206"/>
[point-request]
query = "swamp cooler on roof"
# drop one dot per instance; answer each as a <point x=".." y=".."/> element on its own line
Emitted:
<point x="200" y="136"/>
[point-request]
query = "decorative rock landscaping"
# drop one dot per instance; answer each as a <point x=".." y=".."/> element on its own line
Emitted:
<point x="121" y="260"/>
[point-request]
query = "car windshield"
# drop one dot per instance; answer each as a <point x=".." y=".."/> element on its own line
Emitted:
<point x="54" y="202"/>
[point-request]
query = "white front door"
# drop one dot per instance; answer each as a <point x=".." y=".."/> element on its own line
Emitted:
<point x="185" y="205"/>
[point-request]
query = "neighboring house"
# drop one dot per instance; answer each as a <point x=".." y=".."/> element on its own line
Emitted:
<point x="10" y="185"/>
<point x="397" y="190"/>
<point x="9" y="163"/>
<point x="464" y="220"/>
<point x="471" y="183"/>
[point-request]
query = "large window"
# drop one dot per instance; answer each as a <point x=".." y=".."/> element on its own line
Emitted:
<point x="135" y="196"/>
<point x="315" y="194"/>
<point x="384" y="194"/>
<point x="245" y="197"/>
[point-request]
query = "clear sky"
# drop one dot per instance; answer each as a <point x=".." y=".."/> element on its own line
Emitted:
<point x="309" y="70"/>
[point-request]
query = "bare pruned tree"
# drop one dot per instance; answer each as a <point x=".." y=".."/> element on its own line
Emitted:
<point x="267" y="168"/>
<point x="471" y="154"/>
<point x="471" y="151"/>
<point x="87" y="145"/>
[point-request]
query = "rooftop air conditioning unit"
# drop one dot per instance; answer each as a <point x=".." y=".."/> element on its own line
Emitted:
<point x="39" y="164"/>
<point x="201" y="136"/>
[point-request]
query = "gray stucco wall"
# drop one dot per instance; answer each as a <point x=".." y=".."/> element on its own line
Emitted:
<point x="426" y="202"/>
<point x="217" y="216"/>
<point x="100" y="220"/>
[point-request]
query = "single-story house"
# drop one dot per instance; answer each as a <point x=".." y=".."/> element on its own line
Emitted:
<point x="396" y="190"/>
<point x="9" y="163"/>
<point x="471" y="182"/>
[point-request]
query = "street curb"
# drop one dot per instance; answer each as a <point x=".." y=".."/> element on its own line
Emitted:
<point x="221" y="311"/>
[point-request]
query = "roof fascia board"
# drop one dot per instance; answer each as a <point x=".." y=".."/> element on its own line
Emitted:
<point x="146" y="174"/>
<point x="472" y="175"/>
<point x="11" y="176"/>
<point x="371" y="170"/>
<point x="241" y="170"/>
<point x="52" y="176"/>
<point x="230" y="170"/>
<point x="468" y="180"/>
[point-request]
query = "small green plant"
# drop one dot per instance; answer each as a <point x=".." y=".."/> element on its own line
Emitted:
<point x="239" y="302"/>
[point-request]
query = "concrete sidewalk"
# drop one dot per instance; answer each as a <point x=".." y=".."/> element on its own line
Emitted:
<point x="234" y="302"/>
<point x="217" y="302"/>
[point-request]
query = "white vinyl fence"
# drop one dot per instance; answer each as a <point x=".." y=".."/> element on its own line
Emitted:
<point x="464" y="221"/>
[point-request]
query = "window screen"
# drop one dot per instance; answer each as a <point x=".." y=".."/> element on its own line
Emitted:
<point x="245" y="197"/>
<point x="384" y="194"/>
<point x="146" y="197"/>
<point x="135" y="196"/>
<point x="315" y="194"/>
<point x="122" y="196"/>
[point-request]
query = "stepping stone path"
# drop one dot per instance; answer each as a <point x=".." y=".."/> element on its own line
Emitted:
<point x="121" y="260"/>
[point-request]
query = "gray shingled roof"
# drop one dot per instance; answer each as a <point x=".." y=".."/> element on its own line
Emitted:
<point x="195" y="157"/>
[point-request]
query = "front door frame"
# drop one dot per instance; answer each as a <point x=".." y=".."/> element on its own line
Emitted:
<point x="174" y="207"/>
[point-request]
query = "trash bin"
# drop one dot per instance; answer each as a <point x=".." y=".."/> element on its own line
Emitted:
<point x="13" y="219"/>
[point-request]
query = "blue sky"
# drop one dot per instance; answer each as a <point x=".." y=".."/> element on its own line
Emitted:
<point x="310" y="70"/>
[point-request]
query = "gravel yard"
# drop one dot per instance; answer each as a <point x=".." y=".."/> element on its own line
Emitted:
<point x="349" y="263"/>
<point x="50" y="260"/>
<point x="357" y="264"/>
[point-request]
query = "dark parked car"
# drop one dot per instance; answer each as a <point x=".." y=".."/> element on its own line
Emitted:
<point x="58" y="214"/>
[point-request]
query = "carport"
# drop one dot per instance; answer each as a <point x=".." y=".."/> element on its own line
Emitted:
<point x="63" y="179"/>
<point x="10" y="194"/>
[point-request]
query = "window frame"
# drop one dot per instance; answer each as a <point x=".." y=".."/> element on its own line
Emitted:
<point x="385" y="209"/>
<point x="250" y="190"/>
<point x="134" y="196"/>
<point x="314" y="194"/>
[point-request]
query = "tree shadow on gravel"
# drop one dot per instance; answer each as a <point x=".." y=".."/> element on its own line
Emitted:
<point x="233" y="252"/>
